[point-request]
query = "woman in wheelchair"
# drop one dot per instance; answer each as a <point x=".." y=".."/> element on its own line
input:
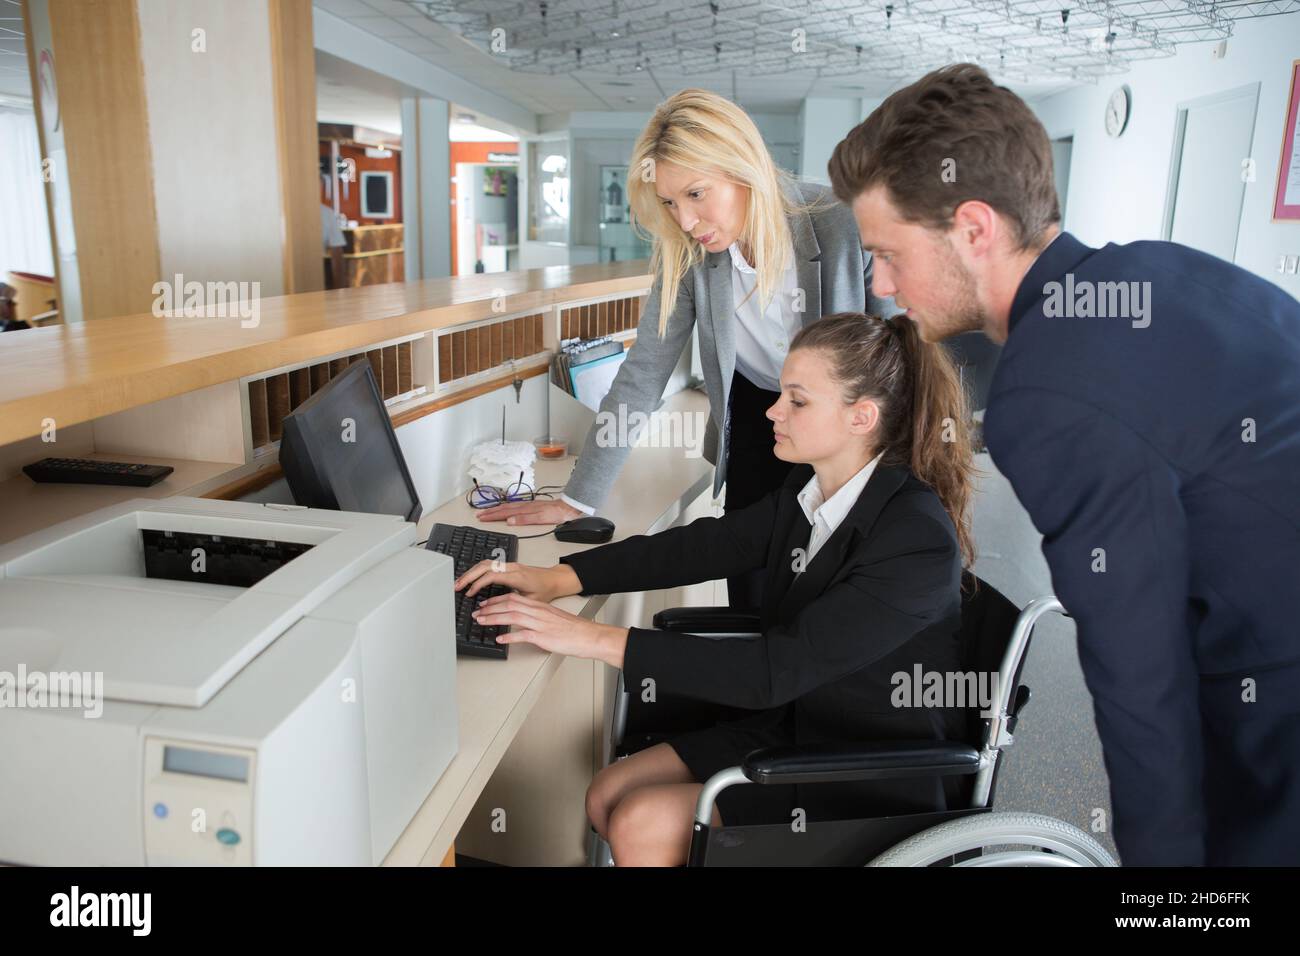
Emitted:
<point x="863" y="546"/>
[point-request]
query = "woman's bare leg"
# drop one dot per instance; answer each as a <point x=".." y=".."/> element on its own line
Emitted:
<point x="654" y="765"/>
<point x="652" y="825"/>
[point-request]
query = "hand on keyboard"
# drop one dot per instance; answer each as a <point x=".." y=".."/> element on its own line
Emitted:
<point x="543" y="584"/>
<point x="468" y="547"/>
<point x="551" y="629"/>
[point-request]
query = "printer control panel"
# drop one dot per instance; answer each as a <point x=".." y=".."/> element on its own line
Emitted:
<point x="198" y="804"/>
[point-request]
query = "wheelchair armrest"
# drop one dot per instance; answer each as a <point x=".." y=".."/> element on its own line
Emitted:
<point x="877" y="760"/>
<point x="708" y="620"/>
<point x="635" y="722"/>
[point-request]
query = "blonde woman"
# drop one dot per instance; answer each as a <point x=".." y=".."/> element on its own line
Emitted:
<point x="749" y="256"/>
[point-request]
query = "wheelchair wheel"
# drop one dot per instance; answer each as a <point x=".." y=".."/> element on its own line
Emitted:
<point x="999" y="839"/>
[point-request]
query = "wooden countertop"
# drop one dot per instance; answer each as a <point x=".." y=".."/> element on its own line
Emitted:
<point x="77" y="373"/>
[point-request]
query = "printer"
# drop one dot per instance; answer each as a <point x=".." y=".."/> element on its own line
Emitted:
<point x="191" y="681"/>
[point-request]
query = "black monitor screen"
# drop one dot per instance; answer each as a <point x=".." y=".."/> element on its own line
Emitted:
<point x="339" y="450"/>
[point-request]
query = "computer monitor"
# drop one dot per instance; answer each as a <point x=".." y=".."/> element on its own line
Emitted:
<point x="339" y="450"/>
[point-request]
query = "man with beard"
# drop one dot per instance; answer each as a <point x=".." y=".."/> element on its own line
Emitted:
<point x="1146" y="409"/>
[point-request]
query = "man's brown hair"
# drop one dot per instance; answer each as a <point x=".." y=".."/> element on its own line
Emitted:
<point x="952" y="136"/>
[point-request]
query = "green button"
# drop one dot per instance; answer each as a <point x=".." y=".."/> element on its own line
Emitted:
<point x="227" y="836"/>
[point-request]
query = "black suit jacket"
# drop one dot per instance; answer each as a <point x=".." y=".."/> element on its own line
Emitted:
<point x="1159" y="457"/>
<point x="881" y="595"/>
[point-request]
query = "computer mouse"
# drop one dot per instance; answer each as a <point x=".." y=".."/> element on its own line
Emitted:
<point x="589" y="530"/>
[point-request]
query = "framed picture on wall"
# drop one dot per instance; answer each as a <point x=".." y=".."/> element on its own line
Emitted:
<point x="1286" y="198"/>
<point x="377" y="195"/>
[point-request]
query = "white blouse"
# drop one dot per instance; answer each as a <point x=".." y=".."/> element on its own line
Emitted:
<point x="763" y="334"/>
<point x="825" y="515"/>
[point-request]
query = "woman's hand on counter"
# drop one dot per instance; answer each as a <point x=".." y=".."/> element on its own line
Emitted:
<point x="538" y="511"/>
<point x="536" y="622"/>
<point x="541" y="584"/>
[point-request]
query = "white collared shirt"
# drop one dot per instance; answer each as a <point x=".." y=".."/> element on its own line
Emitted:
<point x="825" y="515"/>
<point x="763" y="334"/>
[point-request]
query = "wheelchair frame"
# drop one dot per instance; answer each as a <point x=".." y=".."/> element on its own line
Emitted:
<point x="905" y="839"/>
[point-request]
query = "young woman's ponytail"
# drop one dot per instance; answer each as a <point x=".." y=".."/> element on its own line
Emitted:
<point x="940" y="446"/>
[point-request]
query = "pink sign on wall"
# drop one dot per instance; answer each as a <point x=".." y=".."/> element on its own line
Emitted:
<point x="1286" y="200"/>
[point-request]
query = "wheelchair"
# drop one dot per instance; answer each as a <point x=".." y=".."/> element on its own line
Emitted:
<point x="994" y="637"/>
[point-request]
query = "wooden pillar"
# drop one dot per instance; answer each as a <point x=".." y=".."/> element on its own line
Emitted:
<point x="88" y="89"/>
<point x="293" y="61"/>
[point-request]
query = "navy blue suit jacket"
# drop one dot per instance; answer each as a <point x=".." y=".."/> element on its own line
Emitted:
<point x="1168" y="447"/>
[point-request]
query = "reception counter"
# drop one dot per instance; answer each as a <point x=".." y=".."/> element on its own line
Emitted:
<point x="79" y="373"/>
<point x="206" y="393"/>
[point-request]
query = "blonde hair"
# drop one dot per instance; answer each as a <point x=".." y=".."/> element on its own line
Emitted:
<point x="707" y="133"/>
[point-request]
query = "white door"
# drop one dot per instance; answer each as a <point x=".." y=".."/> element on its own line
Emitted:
<point x="1212" y="137"/>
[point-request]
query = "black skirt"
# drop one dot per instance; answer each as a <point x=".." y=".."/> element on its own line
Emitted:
<point x="753" y="470"/>
<point x="726" y="744"/>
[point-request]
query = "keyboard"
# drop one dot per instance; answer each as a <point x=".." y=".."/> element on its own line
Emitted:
<point x="88" y="472"/>
<point x="467" y="546"/>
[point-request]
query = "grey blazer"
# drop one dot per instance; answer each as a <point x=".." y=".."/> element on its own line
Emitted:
<point x="835" y="275"/>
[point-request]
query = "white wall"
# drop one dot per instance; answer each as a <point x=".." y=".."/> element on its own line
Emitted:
<point x="1117" y="186"/>
<point x="336" y="36"/>
<point x="426" y="187"/>
<point x="24" y="227"/>
<point x="781" y="131"/>
<point x="586" y="156"/>
<point x="783" y="136"/>
<point x="212" y="122"/>
<point x="1061" y="152"/>
<point x="802" y="142"/>
<point x="775" y="127"/>
<point x="824" y="121"/>
<point x="595" y="122"/>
